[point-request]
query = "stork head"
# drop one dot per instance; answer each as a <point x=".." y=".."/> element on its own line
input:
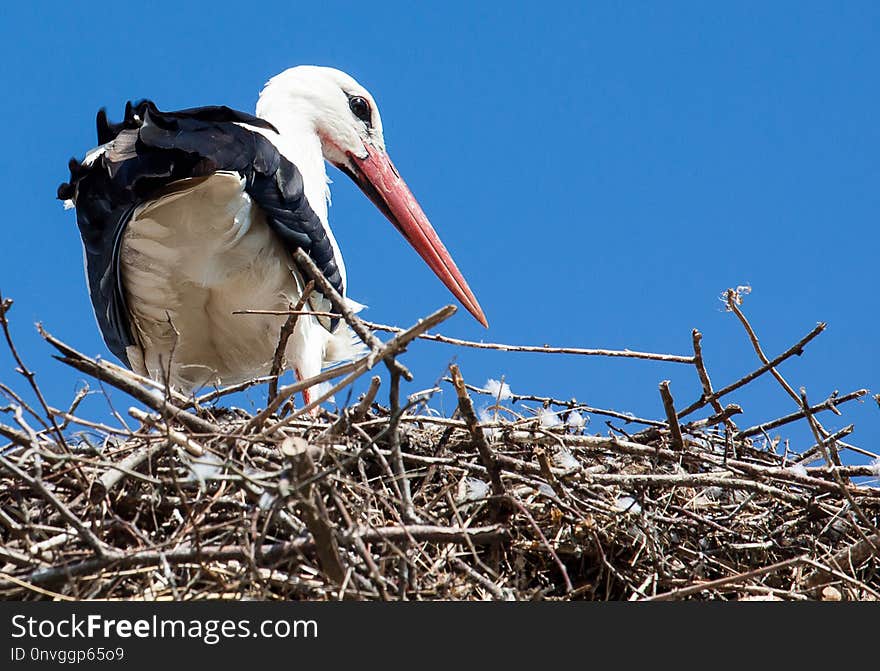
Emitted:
<point x="344" y="116"/>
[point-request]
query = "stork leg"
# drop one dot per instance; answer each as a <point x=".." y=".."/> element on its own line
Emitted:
<point x="306" y="393"/>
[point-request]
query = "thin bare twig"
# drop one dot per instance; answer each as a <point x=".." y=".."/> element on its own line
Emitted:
<point x="312" y="510"/>
<point x="286" y="331"/>
<point x="796" y="349"/>
<point x="828" y="404"/>
<point x="37" y="484"/>
<point x="386" y="352"/>
<point x="669" y="407"/>
<point x="338" y="302"/>
<point x="723" y="582"/>
<point x="855" y="554"/>
<point x="466" y="408"/>
<point x="540" y="349"/>
<point x="5" y="306"/>
<point x="121" y="379"/>
<point x="485" y="535"/>
<point x="702" y="373"/>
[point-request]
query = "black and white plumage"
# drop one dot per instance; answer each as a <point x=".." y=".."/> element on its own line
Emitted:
<point x="188" y="217"/>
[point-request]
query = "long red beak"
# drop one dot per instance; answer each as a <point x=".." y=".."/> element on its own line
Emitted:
<point x="379" y="180"/>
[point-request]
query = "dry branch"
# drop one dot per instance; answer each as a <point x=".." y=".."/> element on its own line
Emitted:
<point x="357" y="325"/>
<point x="466" y="407"/>
<point x="283" y="337"/>
<point x="672" y="420"/>
<point x="540" y="349"/>
<point x="796" y="349"/>
<point x="829" y="404"/>
<point x="312" y="510"/>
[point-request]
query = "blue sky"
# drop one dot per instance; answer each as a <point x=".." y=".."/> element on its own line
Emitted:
<point x="601" y="172"/>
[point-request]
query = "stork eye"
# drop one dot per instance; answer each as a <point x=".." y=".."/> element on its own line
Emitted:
<point x="360" y="108"/>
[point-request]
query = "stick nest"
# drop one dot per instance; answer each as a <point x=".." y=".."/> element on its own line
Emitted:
<point x="388" y="500"/>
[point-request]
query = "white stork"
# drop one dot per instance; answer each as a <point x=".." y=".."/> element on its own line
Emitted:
<point x="187" y="217"/>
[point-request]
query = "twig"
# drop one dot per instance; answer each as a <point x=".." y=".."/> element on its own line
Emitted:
<point x="175" y="437"/>
<point x="311" y="509"/>
<point x="669" y="407"/>
<point x="37" y="484"/>
<point x="117" y="473"/>
<point x="542" y="349"/>
<point x="360" y="546"/>
<point x="482" y="580"/>
<point x="796" y="349"/>
<point x="20" y="401"/>
<point x="359" y="367"/>
<point x="170" y="393"/>
<point x="286" y="392"/>
<point x="726" y="413"/>
<point x="5" y="305"/>
<point x="571" y="405"/>
<point x="297" y="312"/>
<point x="562" y="569"/>
<point x="689" y="480"/>
<point x="34" y="588"/>
<point x="408" y="510"/>
<point x="833" y="459"/>
<point x="359" y="412"/>
<point x="284" y="336"/>
<point x="827" y="570"/>
<point x="852" y="555"/>
<point x="718" y="478"/>
<point x="363" y="406"/>
<point x="703" y="374"/>
<point x="213" y="395"/>
<point x="466" y="408"/>
<point x="731" y="300"/>
<point x="828" y="404"/>
<point x="270" y="552"/>
<point x="120" y="379"/>
<point x="721" y="582"/>
<point x="338" y="302"/>
<point x="16" y="436"/>
<point x="807" y="455"/>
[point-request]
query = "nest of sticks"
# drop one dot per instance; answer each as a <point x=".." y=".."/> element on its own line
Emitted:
<point x="388" y="500"/>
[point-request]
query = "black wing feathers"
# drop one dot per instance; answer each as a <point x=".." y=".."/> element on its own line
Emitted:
<point x="171" y="146"/>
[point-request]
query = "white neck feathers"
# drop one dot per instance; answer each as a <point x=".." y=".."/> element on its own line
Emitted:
<point x="299" y="143"/>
